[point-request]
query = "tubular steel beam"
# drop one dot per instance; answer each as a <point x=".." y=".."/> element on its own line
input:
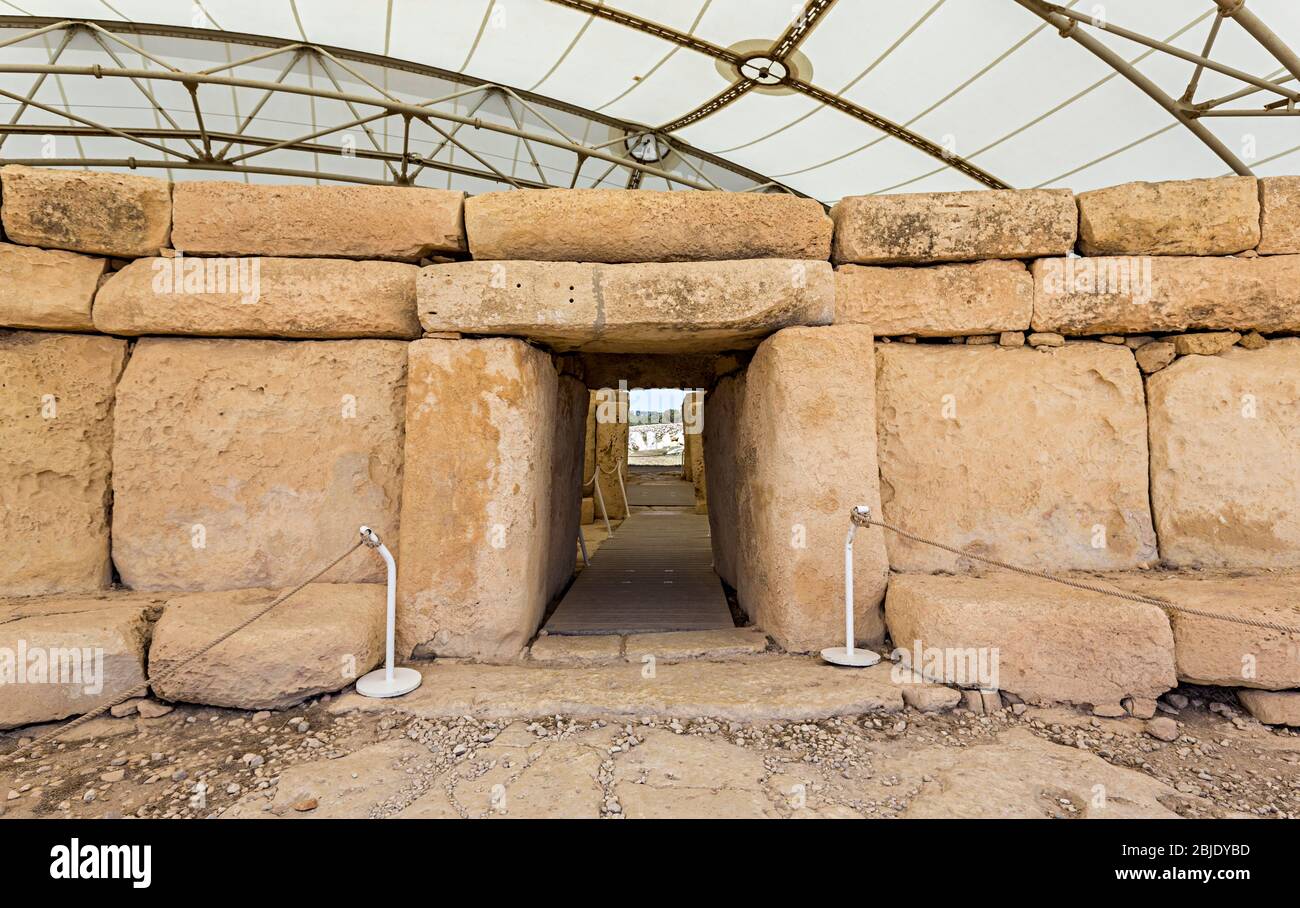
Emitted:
<point x="827" y="98"/>
<point x="1201" y="60"/>
<point x="392" y="107"/>
<point x="1070" y="28"/>
<point x="533" y="103"/>
<point x="1236" y="11"/>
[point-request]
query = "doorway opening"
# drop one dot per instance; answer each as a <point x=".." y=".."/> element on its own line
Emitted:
<point x="652" y="570"/>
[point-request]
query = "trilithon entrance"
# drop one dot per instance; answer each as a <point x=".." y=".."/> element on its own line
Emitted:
<point x="655" y="572"/>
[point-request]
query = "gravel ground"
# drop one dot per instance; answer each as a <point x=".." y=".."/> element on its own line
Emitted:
<point x="201" y="762"/>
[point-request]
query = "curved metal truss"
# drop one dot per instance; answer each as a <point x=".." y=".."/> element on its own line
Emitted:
<point x="409" y="122"/>
<point x="1183" y="108"/>
<point x="525" y="140"/>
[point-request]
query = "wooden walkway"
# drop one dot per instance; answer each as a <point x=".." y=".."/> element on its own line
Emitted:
<point x="654" y="574"/>
<point x="657" y="492"/>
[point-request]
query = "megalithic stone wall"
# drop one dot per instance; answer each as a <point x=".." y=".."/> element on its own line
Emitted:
<point x="251" y="463"/>
<point x="803" y="459"/>
<point x="611" y="449"/>
<point x="1040" y="460"/>
<point x="1225" y="458"/>
<point x="491" y="496"/>
<point x="56" y="440"/>
<point x="1119" y="365"/>
<point x="720" y="441"/>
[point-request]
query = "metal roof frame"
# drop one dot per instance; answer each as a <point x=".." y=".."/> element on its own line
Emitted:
<point x="239" y="150"/>
<point x="402" y="168"/>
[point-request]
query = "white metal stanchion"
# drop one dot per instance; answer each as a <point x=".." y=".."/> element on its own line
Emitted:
<point x="847" y="654"/>
<point x="388" y="681"/>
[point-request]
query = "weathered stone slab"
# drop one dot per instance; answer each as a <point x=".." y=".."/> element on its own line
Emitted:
<point x="693" y="448"/>
<point x="317" y="641"/>
<point x="356" y="222"/>
<point x="1037" y="639"/>
<point x="680" y="646"/>
<point x="260" y="297"/>
<point x="600" y="649"/>
<point x="1024" y="777"/>
<point x="250" y="463"/>
<point x="568" y="427"/>
<point x="804" y="459"/>
<point x="1034" y="457"/>
<point x="1225" y="653"/>
<point x="720" y="442"/>
<point x="1166" y="293"/>
<point x="611" y="450"/>
<point x="617" y="225"/>
<point x="1177" y="217"/>
<point x="1272" y="707"/>
<point x="484" y="481"/>
<point x="116" y="214"/>
<point x="64" y="657"/>
<point x="56" y="435"/>
<point x="744" y="690"/>
<point x="1225" y="454"/>
<point x="937" y="301"/>
<point x="1279" y="202"/>
<point x="919" y="228"/>
<point x="589" y="444"/>
<point x="46" y="288"/>
<point x="677" y="307"/>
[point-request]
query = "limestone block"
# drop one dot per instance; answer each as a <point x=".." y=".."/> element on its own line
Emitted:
<point x="681" y="646"/>
<point x="601" y="649"/>
<point x="720" y="442"/>
<point x="260" y="297"/>
<point x="618" y="225"/>
<point x="611" y="449"/>
<point x="936" y="301"/>
<point x="1166" y="293"/>
<point x="116" y="214"/>
<point x="1178" y="217"/>
<point x="693" y="448"/>
<point x="589" y="443"/>
<point x="56" y="435"/>
<point x="568" y="427"/>
<point x="1272" y="707"/>
<point x="484" y="480"/>
<point x="1043" y="642"/>
<point x="68" y="656"/>
<point x="1029" y="456"/>
<point x="1225" y="454"/>
<point x="805" y="457"/>
<point x="1279" y="201"/>
<point x="356" y="222"/>
<point x="317" y="641"/>
<point x="251" y="463"/>
<point x="48" y="289"/>
<point x="677" y="307"/>
<point x="919" y="228"/>
<point x="1207" y="344"/>
<point x="1225" y="653"/>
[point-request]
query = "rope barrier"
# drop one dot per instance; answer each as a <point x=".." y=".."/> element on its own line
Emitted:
<point x="867" y="520"/>
<point x="163" y="676"/>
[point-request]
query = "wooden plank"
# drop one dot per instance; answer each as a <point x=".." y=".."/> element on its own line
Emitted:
<point x="654" y="574"/>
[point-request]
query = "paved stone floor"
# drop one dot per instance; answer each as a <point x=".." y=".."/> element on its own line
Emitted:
<point x="341" y="756"/>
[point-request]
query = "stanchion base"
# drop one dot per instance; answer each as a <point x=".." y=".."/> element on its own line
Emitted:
<point x="376" y="683"/>
<point x="860" y="658"/>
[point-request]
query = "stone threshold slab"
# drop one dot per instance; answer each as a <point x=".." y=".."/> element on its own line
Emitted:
<point x="785" y="689"/>
<point x="557" y="650"/>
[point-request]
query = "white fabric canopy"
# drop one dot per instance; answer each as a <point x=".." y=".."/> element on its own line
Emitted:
<point x="986" y="81"/>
